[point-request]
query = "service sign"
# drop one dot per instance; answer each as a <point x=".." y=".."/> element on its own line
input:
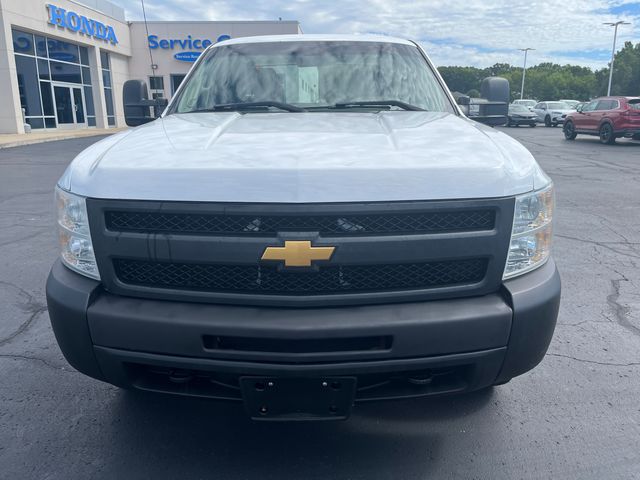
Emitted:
<point x="190" y="47"/>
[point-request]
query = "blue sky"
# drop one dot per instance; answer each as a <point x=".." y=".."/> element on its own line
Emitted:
<point x="454" y="32"/>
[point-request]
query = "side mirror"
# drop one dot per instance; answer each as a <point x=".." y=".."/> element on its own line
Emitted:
<point x="464" y="100"/>
<point x="494" y="109"/>
<point x="137" y="106"/>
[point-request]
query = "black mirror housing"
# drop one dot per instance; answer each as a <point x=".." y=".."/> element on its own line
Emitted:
<point x="137" y="106"/>
<point x="463" y="100"/>
<point x="494" y="103"/>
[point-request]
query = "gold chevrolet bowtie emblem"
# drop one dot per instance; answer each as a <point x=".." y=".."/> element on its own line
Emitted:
<point x="297" y="253"/>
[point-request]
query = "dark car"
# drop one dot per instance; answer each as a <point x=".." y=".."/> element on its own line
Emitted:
<point x="521" y="115"/>
<point x="607" y="117"/>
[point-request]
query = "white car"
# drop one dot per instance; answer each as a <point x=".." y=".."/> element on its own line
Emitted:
<point x="525" y="102"/>
<point x="552" y="113"/>
<point x="571" y="103"/>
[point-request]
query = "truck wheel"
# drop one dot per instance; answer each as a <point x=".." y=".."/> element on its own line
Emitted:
<point x="569" y="131"/>
<point x="606" y="134"/>
<point x="547" y="121"/>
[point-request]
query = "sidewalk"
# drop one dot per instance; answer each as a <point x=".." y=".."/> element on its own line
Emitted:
<point x="16" y="140"/>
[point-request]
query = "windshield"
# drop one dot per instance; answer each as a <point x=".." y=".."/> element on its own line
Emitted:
<point x="558" y="106"/>
<point x="519" y="108"/>
<point x="314" y="76"/>
<point x="528" y="103"/>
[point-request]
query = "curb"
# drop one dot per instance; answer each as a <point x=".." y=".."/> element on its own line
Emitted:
<point x="34" y="141"/>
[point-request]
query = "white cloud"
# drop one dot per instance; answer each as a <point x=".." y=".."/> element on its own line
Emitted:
<point x="470" y="32"/>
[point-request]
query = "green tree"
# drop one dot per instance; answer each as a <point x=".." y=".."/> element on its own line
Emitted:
<point x="626" y="73"/>
<point x="551" y="81"/>
<point x="462" y="79"/>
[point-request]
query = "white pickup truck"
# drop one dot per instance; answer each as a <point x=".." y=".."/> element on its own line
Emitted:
<point x="312" y="223"/>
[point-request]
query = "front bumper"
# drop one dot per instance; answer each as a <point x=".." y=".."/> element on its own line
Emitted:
<point x="524" y="120"/>
<point x="203" y="349"/>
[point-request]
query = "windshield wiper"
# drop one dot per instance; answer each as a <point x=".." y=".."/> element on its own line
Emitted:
<point x="222" y="107"/>
<point x="379" y="103"/>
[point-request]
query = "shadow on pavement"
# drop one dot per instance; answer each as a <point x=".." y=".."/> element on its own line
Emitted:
<point x="218" y="437"/>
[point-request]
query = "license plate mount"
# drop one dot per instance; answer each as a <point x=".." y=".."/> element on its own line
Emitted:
<point x="318" y="398"/>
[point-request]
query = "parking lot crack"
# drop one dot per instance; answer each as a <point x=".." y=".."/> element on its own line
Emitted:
<point x="582" y="360"/>
<point x="607" y="245"/>
<point x="31" y="306"/>
<point x="48" y="191"/>
<point x="23" y="327"/>
<point x="40" y="231"/>
<point x="36" y="359"/>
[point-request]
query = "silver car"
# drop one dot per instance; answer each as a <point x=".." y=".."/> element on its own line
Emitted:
<point x="552" y="113"/>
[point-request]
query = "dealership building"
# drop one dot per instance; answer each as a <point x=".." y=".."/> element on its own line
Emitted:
<point x="63" y="63"/>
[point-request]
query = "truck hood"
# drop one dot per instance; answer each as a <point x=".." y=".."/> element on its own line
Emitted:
<point x="305" y="158"/>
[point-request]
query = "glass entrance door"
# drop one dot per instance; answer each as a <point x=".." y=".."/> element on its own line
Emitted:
<point x="78" y="105"/>
<point x="69" y="106"/>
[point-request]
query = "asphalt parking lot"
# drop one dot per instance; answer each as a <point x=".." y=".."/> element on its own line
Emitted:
<point x="576" y="416"/>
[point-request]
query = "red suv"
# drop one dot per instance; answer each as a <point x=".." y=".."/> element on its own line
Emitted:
<point x="607" y="117"/>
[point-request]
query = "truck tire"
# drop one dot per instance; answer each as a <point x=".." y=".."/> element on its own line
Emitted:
<point x="606" y="134"/>
<point x="547" y="121"/>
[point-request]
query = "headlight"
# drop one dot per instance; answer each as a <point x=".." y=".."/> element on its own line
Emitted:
<point x="531" y="233"/>
<point x="76" y="248"/>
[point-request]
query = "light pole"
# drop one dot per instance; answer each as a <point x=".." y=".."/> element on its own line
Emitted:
<point x="524" y="69"/>
<point x="615" y="25"/>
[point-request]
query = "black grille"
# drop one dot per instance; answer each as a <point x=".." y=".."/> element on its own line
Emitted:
<point x="326" y="280"/>
<point x="261" y="225"/>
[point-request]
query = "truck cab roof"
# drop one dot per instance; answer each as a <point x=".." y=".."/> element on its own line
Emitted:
<point x="313" y="38"/>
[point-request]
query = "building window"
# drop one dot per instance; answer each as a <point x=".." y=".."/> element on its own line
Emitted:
<point x="176" y="80"/>
<point x="28" y="86"/>
<point x="156" y="83"/>
<point x="156" y="87"/>
<point x="42" y="62"/>
<point x="105" y="63"/>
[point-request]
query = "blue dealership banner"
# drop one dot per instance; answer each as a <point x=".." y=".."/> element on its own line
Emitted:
<point x="187" y="56"/>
